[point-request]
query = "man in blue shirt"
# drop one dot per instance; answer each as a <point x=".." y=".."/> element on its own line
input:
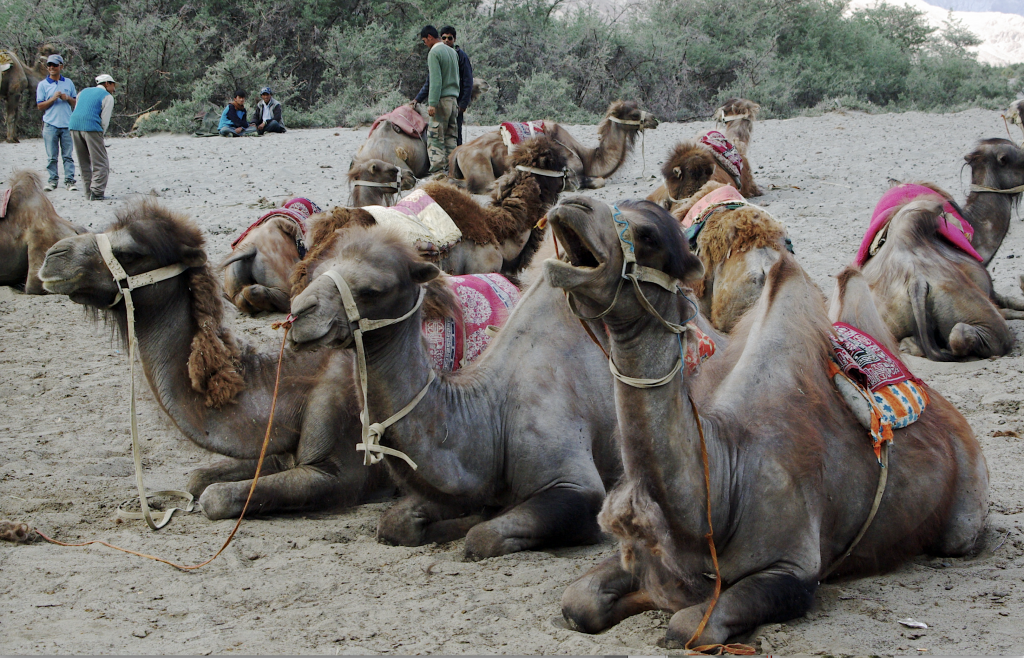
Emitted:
<point x="233" y="121"/>
<point x="88" y="123"/>
<point x="465" y="79"/>
<point x="55" y="97"/>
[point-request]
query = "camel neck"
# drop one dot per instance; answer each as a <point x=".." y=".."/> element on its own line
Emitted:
<point x="605" y="160"/>
<point x="989" y="215"/>
<point x="660" y="435"/>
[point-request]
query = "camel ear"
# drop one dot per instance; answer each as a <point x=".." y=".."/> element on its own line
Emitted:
<point x="677" y="172"/>
<point x="1002" y="159"/>
<point x="422" y="271"/>
<point x="193" y="257"/>
<point x="373" y="168"/>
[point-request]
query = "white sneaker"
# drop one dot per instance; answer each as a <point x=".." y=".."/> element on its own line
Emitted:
<point x="50" y="187"/>
<point x="72" y="187"/>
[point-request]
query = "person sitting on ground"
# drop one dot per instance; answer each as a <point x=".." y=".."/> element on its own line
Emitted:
<point x="233" y="121"/>
<point x="268" y="113"/>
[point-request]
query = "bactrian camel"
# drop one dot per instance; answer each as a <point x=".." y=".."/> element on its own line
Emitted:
<point x="16" y="80"/>
<point x="792" y="471"/>
<point x="28" y="227"/>
<point x="690" y="164"/>
<point x="377" y="183"/>
<point x="477" y="164"/>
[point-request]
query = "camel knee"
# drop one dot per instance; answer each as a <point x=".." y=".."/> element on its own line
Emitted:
<point x="603" y="597"/>
<point x="265" y="298"/>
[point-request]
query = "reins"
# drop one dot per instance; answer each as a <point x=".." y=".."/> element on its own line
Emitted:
<point x="373" y="432"/>
<point x="125" y="285"/>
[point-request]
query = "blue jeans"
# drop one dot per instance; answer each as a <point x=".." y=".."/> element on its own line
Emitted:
<point x="58" y="140"/>
<point x="230" y="132"/>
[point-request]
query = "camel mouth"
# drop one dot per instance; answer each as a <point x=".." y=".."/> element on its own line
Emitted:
<point x="59" y="285"/>
<point x="581" y="254"/>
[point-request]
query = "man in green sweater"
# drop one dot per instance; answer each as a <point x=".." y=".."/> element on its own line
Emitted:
<point x="443" y="65"/>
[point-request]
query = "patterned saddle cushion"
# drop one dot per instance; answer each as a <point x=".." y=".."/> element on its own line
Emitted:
<point x="421" y="219"/>
<point x="726" y="154"/>
<point x="514" y="132"/>
<point x="486" y="301"/>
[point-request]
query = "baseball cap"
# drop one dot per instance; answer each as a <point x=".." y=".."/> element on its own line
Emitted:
<point x="266" y="90"/>
<point x="103" y="77"/>
<point x="55" y="59"/>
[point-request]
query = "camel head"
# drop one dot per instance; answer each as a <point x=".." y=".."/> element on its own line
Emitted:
<point x="688" y="167"/>
<point x="997" y="163"/>
<point x="592" y="265"/>
<point x="537" y="153"/>
<point x="144" y="237"/>
<point x="376" y="182"/>
<point x="384" y="274"/>
<point x="628" y="111"/>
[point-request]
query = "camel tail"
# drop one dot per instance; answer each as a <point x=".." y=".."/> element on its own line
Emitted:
<point x="239" y="254"/>
<point x="453" y="165"/>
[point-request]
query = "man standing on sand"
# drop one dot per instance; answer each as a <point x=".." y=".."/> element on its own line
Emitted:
<point x="88" y="124"/>
<point x="442" y="106"/>
<point x="465" y="78"/>
<point x="55" y="98"/>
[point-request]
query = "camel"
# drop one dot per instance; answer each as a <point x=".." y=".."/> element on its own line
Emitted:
<point x="261" y="261"/>
<point x="16" y="79"/>
<point x="934" y="292"/>
<point x="738" y="245"/>
<point x="501" y="237"/>
<point x="28" y="227"/>
<point x="997" y="170"/>
<point x="377" y="183"/>
<point x="515" y="450"/>
<point x="792" y="471"/>
<point x="691" y="163"/>
<point x="478" y="163"/>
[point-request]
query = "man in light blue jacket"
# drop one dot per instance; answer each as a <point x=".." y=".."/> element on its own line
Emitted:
<point x="55" y="98"/>
<point x="88" y="124"/>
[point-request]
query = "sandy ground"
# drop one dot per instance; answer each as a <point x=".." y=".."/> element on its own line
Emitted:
<point x="320" y="583"/>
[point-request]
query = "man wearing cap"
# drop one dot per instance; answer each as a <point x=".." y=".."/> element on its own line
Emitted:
<point x="443" y="68"/>
<point x="55" y="97"/>
<point x="88" y="123"/>
<point x="268" y="111"/>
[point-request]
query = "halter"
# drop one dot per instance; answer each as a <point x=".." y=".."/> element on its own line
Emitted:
<point x="397" y="185"/>
<point x="125" y="292"/>
<point x="631" y="271"/>
<point x="373" y="432"/>
<point x="640" y="123"/>
<point x="982" y="188"/>
<point x="550" y="173"/>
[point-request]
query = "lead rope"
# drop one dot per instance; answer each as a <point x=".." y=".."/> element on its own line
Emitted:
<point x="259" y="466"/>
<point x="125" y="292"/>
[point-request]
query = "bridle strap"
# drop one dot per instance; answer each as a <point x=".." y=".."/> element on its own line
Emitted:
<point x="372" y="433"/>
<point x="982" y="188"/>
<point x="551" y="173"/>
<point x="629" y="122"/>
<point x="125" y="292"/>
<point x="370" y="183"/>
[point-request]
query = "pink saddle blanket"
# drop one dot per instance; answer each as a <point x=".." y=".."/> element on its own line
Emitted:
<point x="697" y="214"/>
<point x="518" y="132"/>
<point x="406" y="119"/>
<point x="952" y="226"/>
<point x="486" y="301"/>
<point x="297" y="210"/>
<point x="726" y="154"/>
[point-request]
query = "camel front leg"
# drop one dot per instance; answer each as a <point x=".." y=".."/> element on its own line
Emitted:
<point x="415" y="521"/>
<point x="233" y="470"/>
<point x="305" y="487"/>
<point x="769" y="596"/>
<point x="603" y="597"/>
<point x="559" y="516"/>
<point x="11" y="111"/>
<point x="924" y="325"/>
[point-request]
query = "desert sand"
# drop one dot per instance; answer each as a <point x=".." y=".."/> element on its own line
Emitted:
<point x="319" y="583"/>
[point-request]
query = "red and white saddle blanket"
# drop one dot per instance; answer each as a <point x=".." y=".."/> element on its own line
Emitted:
<point x="952" y="226"/>
<point x="4" y="199"/>
<point x="297" y="210"/>
<point x="513" y="132"/>
<point x="405" y="119"/>
<point x="897" y="398"/>
<point x="725" y="153"/>
<point x="486" y="301"/>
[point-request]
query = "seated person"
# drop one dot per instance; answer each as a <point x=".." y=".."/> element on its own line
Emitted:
<point x="233" y="121"/>
<point x="268" y="113"/>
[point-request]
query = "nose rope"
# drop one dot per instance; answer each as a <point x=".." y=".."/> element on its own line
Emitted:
<point x="125" y="292"/>
<point x="372" y="433"/>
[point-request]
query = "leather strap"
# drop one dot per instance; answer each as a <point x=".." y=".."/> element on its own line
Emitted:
<point x="982" y="188"/>
<point x="125" y="292"/>
<point x="883" y="477"/>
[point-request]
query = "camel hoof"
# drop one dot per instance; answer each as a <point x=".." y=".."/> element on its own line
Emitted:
<point x="398" y="526"/>
<point x="483" y="542"/>
<point x="217" y="503"/>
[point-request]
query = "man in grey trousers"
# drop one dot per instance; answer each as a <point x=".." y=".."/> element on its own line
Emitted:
<point x="88" y="124"/>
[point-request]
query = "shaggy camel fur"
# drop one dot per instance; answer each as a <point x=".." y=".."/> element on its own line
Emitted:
<point x="738" y="248"/>
<point x="501" y="237"/>
<point x="29" y="228"/>
<point x="930" y="290"/>
<point x="477" y="164"/>
<point x="16" y="80"/>
<point x="792" y="471"/>
<point x="690" y="164"/>
<point x="516" y="449"/>
<point x="381" y="173"/>
<point x="257" y="270"/>
<point x="219" y="396"/>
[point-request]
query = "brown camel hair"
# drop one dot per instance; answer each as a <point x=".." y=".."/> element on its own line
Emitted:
<point x="213" y="362"/>
<point x="19" y="80"/>
<point x="689" y="166"/>
<point x="31" y="227"/>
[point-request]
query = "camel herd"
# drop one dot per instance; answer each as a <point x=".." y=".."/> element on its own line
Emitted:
<point x="669" y="378"/>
